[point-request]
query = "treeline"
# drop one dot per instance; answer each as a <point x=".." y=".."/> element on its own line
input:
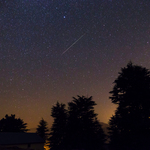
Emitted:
<point x="76" y="126"/>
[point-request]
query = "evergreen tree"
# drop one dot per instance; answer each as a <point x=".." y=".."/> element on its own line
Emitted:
<point x="58" y="130"/>
<point x="77" y="127"/>
<point x="84" y="129"/>
<point x="12" y="124"/>
<point x="42" y="129"/>
<point x="130" y="126"/>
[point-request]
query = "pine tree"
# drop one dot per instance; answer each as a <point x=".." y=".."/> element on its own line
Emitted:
<point x="77" y="127"/>
<point x="84" y="129"/>
<point x="58" y="130"/>
<point x="42" y="129"/>
<point x="130" y="126"/>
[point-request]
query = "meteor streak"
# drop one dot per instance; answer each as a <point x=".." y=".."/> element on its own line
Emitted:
<point x="73" y="44"/>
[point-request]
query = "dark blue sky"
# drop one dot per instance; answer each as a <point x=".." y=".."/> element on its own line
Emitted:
<point x="34" y="74"/>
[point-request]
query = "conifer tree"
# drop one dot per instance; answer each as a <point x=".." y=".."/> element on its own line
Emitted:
<point x="58" y="130"/>
<point x="130" y="126"/>
<point x="77" y="127"/>
<point x="42" y="129"/>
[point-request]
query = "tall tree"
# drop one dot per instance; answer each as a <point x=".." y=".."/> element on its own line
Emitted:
<point x="84" y="129"/>
<point x="42" y="129"/>
<point x="58" y="130"/>
<point x="12" y="124"/>
<point x="77" y="127"/>
<point x="130" y="126"/>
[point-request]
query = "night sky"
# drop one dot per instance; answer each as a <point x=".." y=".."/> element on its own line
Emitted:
<point x="53" y="50"/>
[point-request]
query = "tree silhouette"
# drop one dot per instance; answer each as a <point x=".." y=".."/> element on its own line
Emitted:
<point x="79" y="127"/>
<point x="84" y="130"/>
<point x="12" y="124"/>
<point x="130" y="126"/>
<point x="42" y="129"/>
<point x="58" y="130"/>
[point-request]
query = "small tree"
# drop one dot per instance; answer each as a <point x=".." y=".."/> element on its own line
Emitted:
<point x="130" y="126"/>
<point x="42" y="129"/>
<point x="12" y="124"/>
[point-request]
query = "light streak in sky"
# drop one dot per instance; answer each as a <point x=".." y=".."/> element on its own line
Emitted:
<point x="73" y="44"/>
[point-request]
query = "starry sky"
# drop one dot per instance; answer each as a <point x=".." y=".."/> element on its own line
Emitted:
<point x="37" y="67"/>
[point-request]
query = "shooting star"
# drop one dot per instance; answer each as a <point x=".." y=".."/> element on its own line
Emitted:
<point x="73" y="44"/>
